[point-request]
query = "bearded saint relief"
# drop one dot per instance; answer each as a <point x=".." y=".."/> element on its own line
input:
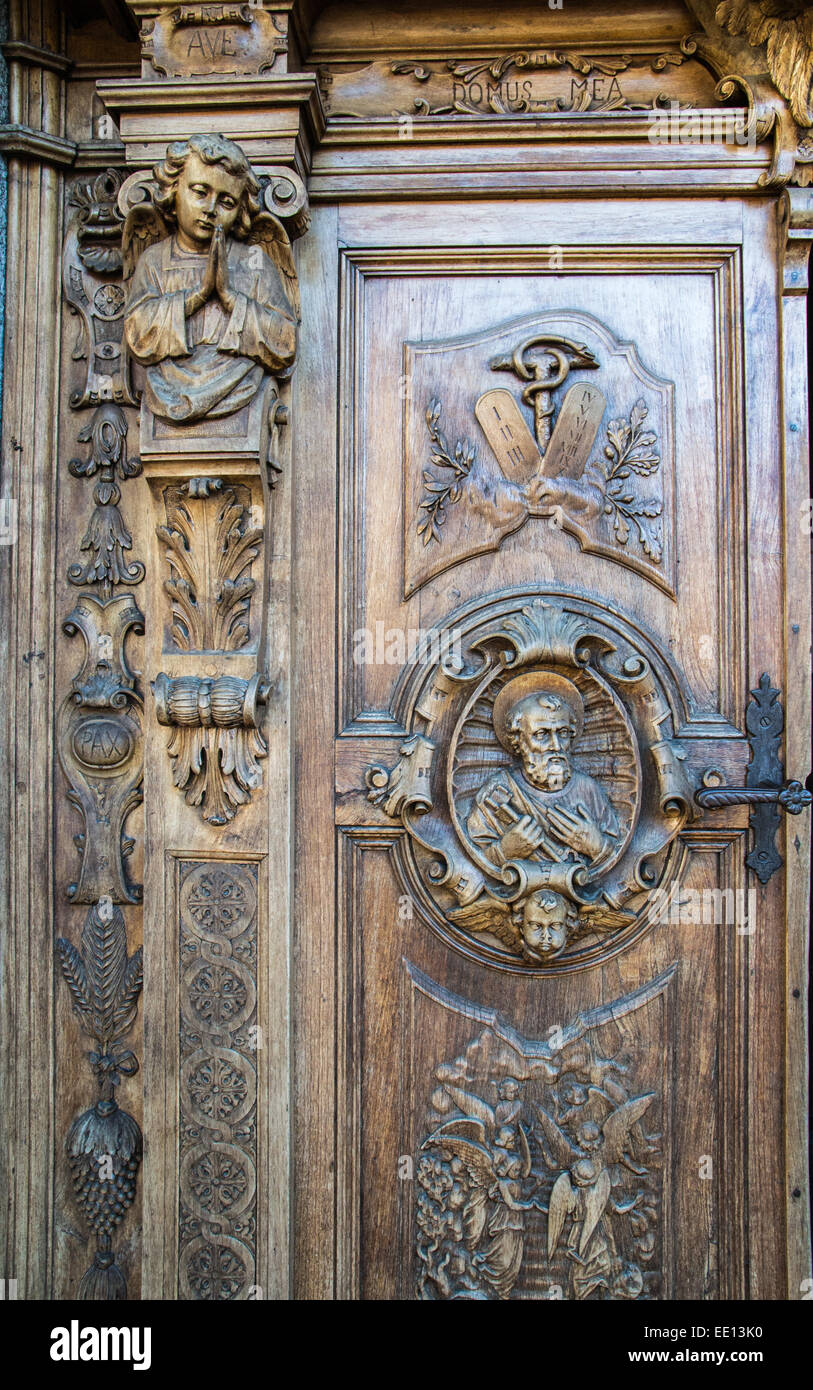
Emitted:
<point x="213" y="308"/>
<point x="542" y="809"/>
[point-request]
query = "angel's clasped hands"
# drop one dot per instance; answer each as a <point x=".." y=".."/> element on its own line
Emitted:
<point x="215" y="278"/>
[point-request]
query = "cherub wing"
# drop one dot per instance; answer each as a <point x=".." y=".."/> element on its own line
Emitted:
<point x="476" y="1158"/>
<point x="563" y="1151"/>
<point x="143" y="226"/>
<point x="473" y="1106"/>
<point x="561" y="1203"/>
<point x="473" y="1130"/>
<point x="617" y="1126"/>
<point x="598" y="917"/>
<point x="524" y="1151"/>
<point x="596" y="1198"/>
<point x="785" y="29"/>
<point x="489" y="914"/>
<point x="269" y="233"/>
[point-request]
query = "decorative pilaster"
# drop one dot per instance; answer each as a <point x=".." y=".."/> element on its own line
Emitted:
<point x="214" y="448"/>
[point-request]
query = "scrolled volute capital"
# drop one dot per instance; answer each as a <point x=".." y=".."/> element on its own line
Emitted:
<point x="203" y="702"/>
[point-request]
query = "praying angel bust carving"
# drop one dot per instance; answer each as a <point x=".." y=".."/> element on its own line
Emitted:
<point x="213" y="305"/>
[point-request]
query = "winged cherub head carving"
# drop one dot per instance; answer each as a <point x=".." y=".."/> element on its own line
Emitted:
<point x="213" y="304"/>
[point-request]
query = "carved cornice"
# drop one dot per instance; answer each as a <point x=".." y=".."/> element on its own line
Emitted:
<point x="276" y="119"/>
<point x="18" y="51"/>
<point x="22" y="142"/>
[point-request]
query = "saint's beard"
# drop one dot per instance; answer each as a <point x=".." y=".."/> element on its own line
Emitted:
<point x="549" y="772"/>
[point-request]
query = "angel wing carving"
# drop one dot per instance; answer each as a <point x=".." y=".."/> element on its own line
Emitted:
<point x="491" y="915"/>
<point x="474" y="1155"/>
<point x="596" y="1197"/>
<point x="565" y="1153"/>
<point x="786" y="27"/>
<point x="524" y="1151"/>
<point x="562" y="1203"/>
<point x="617" y="1126"/>
<point x="598" y="917"/>
<point x="143" y="226"/>
<point x="268" y="232"/>
<point x="473" y="1106"/>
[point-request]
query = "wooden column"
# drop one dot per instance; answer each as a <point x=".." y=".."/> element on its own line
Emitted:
<point x="35" y="147"/>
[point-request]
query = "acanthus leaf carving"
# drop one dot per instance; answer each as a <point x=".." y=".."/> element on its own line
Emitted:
<point x="211" y="546"/>
<point x="216" y="741"/>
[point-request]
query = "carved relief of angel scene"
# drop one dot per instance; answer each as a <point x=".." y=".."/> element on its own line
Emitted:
<point x="572" y="430"/>
<point x="539" y="1175"/>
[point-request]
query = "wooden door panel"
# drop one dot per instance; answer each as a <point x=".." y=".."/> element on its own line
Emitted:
<point x="436" y="1016"/>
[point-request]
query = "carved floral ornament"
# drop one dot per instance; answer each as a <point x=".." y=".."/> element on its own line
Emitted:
<point x="541" y="787"/>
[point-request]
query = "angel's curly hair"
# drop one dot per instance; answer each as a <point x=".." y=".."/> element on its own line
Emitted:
<point x="212" y="149"/>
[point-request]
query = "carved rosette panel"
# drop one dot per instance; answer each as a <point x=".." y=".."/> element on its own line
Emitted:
<point x="541" y="786"/>
<point x="539" y="1171"/>
<point x="549" y="417"/>
<point x="217" y="1154"/>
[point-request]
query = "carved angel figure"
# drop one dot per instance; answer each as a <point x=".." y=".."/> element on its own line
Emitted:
<point x="541" y="925"/>
<point x="213" y="304"/>
<point x="583" y="1192"/>
<point x="490" y="1148"/>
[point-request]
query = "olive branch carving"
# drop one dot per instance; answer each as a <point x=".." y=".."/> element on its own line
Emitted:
<point x="630" y="451"/>
<point x="437" y="493"/>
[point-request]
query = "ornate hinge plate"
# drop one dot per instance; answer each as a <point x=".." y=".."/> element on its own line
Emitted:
<point x="765" y="789"/>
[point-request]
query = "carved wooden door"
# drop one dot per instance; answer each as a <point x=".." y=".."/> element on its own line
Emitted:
<point x="562" y="559"/>
<point x="407" y="618"/>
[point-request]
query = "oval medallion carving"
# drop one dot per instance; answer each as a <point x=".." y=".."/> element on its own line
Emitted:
<point x="101" y="743"/>
<point x="541" y="788"/>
